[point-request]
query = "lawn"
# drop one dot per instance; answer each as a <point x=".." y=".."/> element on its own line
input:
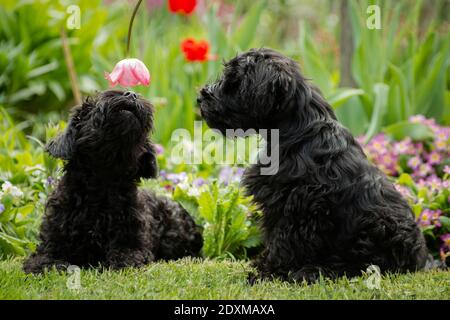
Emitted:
<point x="209" y="279"/>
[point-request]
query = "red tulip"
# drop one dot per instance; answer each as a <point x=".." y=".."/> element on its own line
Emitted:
<point x="184" y="7"/>
<point x="196" y="50"/>
<point x="129" y="73"/>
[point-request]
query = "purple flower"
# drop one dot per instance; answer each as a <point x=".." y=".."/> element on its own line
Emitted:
<point x="176" y="178"/>
<point x="434" y="158"/>
<point x="229" y="174"/>
<point x="424" y="170"/>
<point x="445" y="184"/>
<point x="159" y="149"/>
<point x="199" y="182"/>
<point x="440" y="144"/>
<point x="435" y="215"/>
<point x="425" y="218"/>
<point x="430" y="217"/>
<point x="414" y="163"/>
<point x="434" y="183"/>
<point x="445" y="238"/>
<point x="387" y="162"/>
<point x="404" y="147"/>
<point x="443" y="133"/>
<point x="417" y="119"/>
<point x="225" y="175"/>
<point x="2" y="207"/>
<point x="404" y="191"/>
<point x="361" y="140"/>
<point x="447" y="169"/>
<point x="50" y="181"/>
<point x="378" y="144"/>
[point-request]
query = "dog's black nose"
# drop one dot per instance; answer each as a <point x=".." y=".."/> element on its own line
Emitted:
<point x="205" y="92"/>
<point x="130" y="94"/>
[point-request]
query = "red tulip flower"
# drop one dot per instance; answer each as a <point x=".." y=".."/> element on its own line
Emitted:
<point x="129" y="73"/>
<point x="184" y="7"/>
<point x="196" y="50"/>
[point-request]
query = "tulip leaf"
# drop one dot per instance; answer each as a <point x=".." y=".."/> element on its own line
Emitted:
<point x="416" y="131"/>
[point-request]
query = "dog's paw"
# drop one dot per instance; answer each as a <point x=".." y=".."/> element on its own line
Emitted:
<point x="308" y="274"/>
<point x="38" y="264"/>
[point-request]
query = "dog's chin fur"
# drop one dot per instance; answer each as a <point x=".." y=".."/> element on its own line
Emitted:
<point x="327" y="210"/>
<point x="96" y="214"/>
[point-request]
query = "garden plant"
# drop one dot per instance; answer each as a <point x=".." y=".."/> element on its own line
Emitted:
<point x="392" y="92"/>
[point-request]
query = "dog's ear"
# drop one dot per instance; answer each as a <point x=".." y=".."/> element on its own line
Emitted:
<point x="62" y="146"/>
<point x="147" y="166"/>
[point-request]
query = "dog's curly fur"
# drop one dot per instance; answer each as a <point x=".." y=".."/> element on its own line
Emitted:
<point x="327" y="210"/>
<point x="97" y="215"/>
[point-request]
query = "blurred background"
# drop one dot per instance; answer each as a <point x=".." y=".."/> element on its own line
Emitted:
<point x="389" y="84"/>
<point x="392" y="73"/>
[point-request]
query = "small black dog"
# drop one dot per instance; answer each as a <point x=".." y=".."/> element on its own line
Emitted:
<point x="327" y="210"/>
<point x="97" y="215"/>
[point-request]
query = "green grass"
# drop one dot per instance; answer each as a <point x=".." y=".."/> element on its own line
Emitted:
<point x="209" y="279"/>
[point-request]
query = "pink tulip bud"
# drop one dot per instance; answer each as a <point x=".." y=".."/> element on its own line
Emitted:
<point x="129" y="73"/>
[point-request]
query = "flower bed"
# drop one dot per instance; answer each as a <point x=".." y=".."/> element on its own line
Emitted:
<point x="211" y="193"/>
<point x="421" y="171"/>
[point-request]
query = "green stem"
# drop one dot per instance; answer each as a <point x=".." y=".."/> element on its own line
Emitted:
<point x="130" y="27"/>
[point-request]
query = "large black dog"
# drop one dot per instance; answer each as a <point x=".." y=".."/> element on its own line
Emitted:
<point x="327" y="210"/>
<point x="97" y="215"/>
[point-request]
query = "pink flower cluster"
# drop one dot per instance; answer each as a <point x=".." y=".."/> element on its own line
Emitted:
<point x="428" y="164"/>
<point x="422" y="159"/>
<point x="430" y="217"/>
<point x="445" y="246"/>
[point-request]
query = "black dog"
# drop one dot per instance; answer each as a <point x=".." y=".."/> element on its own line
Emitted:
<point x="97" y="215"/>
<point x="327" y="210"/>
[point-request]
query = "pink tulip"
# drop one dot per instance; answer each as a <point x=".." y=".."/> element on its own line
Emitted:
<point x="129" y="73"/>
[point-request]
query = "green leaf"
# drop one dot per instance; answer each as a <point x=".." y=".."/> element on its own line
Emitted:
<point x="25" y="210"/>
<point x="381" y="92"/>
<point x="43" y="70"/>
<point x="245" y="33"/>
<point x="406" y="180"/>
<point x="417" y="209"/>
<point x="207" y="206"/>
<point x="445" y="221"/>
<point x="416" y="131"/>
<point x="12" y="245"/>
<point x="340" y="96"/>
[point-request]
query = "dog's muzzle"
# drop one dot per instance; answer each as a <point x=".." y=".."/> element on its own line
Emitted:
<point x="131" y="95"/>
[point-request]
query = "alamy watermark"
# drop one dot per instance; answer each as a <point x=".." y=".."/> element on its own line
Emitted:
<point x="374" y="19"/>
<point x="74" y="19"/>
<point x="74" y="280"/>
<point x="208" y="147"/>
<point x="373" y="282"/>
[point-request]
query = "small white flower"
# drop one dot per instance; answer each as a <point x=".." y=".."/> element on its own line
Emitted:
<point x="184" y="185"/>
<point x="6" y="186"/>
<point x="194" y="192"/>
<point x="16" y="192"/>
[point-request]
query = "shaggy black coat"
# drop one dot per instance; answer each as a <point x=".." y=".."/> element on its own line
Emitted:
<point x="327" y="210"/>
<point x="97" y="215"/>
